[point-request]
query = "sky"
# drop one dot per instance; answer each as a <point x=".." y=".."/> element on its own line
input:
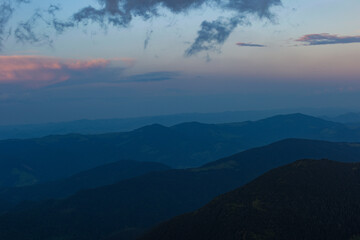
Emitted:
<point x="68" y="60"/>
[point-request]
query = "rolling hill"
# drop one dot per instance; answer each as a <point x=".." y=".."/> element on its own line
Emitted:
<point x="97" y="177"/>
<point x="308" y="199"/>
<point x="127" y="208"/>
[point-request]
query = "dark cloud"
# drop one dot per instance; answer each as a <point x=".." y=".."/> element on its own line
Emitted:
<point x="110" y="13"/>
<point x="58" y="25"/>
<point x="212" y="34"/>
<point x="261" y="8"/>
<point x="325" y="39"/>
<point x="120" y="13"/>
<point x="249" y="45"/>
<point x="61" y="26"/>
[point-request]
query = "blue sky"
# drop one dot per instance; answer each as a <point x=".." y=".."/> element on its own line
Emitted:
<point x="305" y="54"/>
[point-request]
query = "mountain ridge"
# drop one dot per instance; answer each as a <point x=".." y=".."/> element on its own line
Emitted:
<point x="308" y="199"/>
<point x="87" y="126"/>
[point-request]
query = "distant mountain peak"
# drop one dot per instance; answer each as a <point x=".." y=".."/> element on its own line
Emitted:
<point x="294" y="116"/>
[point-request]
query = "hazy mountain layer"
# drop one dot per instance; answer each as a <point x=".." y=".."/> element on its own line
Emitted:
<point x="128" y="124"/>
<point x="31" y="161"/>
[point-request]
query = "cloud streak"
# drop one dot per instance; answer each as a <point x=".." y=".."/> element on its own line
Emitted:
<point x="7" y="9"/>
<point x="25" y="32"/>
<point x="326" y="39"/>
<point x="37" y="71"/>
<point x="241" y="44"/>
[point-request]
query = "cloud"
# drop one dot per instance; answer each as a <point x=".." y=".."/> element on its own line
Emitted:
<point x="120" y="13"/>
<point x="37" y="71"/>
<point x="6" y="12"/>
<point x="261" y="8"/>
<point x="147" y="39"/>
<point x="249" y="45"/>
<point x="25" y="32"/>
<point x="7" y="9"/>
<point x="325" y="39"/>
<point x="212" y="34"/>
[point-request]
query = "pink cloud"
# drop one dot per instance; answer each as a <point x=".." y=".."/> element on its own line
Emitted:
<point x="326" y="39"/>
<point x="37" y="71"/>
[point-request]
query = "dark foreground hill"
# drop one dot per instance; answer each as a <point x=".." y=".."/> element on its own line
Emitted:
<point x="93" y="178"/>
<point x="4" y="205"/>
<point x="305" y="200"/>
<point x="125" y="209"/>
<point x="31" y="161"/>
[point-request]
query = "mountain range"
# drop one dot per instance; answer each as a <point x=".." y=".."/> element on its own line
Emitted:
<point x="99" y="126"/>
<point x="31" y="161"/>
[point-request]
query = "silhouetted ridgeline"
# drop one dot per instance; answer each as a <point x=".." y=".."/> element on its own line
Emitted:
<point x="31" y="161"/>
<point x="125" y="209"/>
<point x="126" y="124"/>
<point x="304" y="200"/>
